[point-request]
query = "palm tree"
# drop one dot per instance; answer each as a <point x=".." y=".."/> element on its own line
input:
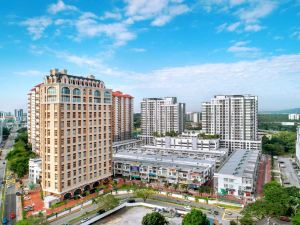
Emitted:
<point x="175" y="186"/>
<point x="184" y="187"/>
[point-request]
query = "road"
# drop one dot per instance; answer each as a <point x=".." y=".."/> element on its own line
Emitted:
<point x="290" y="177"/>
<point x="10" y="195"/>
<point x="160" y="202"/>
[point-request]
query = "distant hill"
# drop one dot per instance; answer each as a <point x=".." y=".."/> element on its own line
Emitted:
<point x="285" y="111"/>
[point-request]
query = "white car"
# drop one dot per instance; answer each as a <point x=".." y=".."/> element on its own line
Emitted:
<point x="187" y="207"/>
<point x="84" y="220"/>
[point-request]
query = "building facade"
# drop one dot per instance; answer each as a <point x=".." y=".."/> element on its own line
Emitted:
<point x="238" y="175"/>
<point x="194" y="117"/>
<point x="294" y="116"/>
<point x="75" y="134"/>
<point x="122" y="116"/>
<point x="1" y="130"/>
<point x="162" y="115"/>
<point x="35" y="170"/>
<point x="232" y="117"/>
<point x="33" y="118"/>
<point x="136" y="165"/>
<point x="298" y="146"/>
<point x="193" y="143"/>
<point x="19" y="115"/>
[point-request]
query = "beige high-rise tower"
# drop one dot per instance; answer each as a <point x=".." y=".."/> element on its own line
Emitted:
<point x="122" y="116"/>
<point x="75" y="134"/>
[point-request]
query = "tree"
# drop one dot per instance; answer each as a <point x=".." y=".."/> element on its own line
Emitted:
<point x="232" y="222"/>
<point x="18" y="158"/>
<point x="154" y="218"/>
<point x="108" y="202"/>
<point x="195" y="217"/>
<point x="296" y="219"/>
<point x="37" y="220"/>
<point x="247" y="219"/>
<point x="277" y="199"/>
<point x="144" y="193"/>
<point x="31" y="185"/>
<point x="184" y="187"/>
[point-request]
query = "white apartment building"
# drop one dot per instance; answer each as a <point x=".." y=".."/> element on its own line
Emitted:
<point x="194" y="117"/>
<point x="294" y="116"/>
<point x="162" y="115"/>
<point x="238" y="175"/>
<point x="136" y="164"/>
<point x="33" y="118"/>
<point x="234" y="118"/>
<point x="35" y="170"/>
<point x="122" y="116"/>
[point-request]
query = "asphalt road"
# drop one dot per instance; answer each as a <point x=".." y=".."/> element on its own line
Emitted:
<point x="10" y="198"/>
<point x="160" y="202"/>
<point x="289" y="173"/>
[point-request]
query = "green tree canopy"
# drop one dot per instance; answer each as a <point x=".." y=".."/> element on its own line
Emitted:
<point x="154" y="218"/>
<point x="144" y="193"/>
<point x="247" y="220"/>
<point x="18" y="157"/>
<point x="36" y="220"/>
<point x="195" y="217"/>
<point x="108" y="202"/>
<point x="296" y="219"/>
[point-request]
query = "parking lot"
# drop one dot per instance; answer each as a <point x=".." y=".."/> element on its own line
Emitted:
<point x="289" y="171"/>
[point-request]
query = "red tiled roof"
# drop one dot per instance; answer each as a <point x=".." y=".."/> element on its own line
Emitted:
<point x="120" y="94"/>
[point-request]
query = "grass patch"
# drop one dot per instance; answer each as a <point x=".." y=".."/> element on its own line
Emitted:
<point x="58" y="204"/>
<point x="86" y="214"/>
<point x="228" y="206"/>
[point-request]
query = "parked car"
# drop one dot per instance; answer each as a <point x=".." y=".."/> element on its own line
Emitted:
<point x="84" y="220"/>
<point x="228" y="213"/>
<point x="12" y="215"/>
<point x="284" y="218"/>
<point x="187" y="207"/>
<point x="131" y="200"/>
<point x="4" y="220"/>
<point x="216" y="213"/>
<point x="101" y="211"/>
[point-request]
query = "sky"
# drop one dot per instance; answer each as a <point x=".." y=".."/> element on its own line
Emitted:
<point x="189" y="49"/>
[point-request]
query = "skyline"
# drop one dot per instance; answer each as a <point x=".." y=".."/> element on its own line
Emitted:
<point x="155" y="49"/>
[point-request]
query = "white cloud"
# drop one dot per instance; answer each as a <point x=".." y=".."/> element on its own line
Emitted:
<point x="248" y="12"/>
<point x="233" y="26"/>
<point x="296" y="34"/>
<point x="253" y="27"/>
<point x="36" y="26"/>
<point x="60" y="6"/>
<point x="138" y="50"/>
<point x="30" y="73"/>
<point x="159" y="11"/>
<point x="241" y="49"/>
<point x="88" y="25"/>
<point x="112" y="15"/>
<point x="256" y="12"/>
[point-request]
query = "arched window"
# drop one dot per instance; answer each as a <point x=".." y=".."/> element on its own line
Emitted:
<point x="65" y="91"/>
<point x="51" y="91"/>
<point x="97" y="93"/>
<point x="106" y="94"/>
<point x="76" y="91"/>
<point x="107" y="97"/>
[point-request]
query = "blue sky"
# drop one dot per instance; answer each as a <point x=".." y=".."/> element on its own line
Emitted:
<point x="189" y="49"/>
